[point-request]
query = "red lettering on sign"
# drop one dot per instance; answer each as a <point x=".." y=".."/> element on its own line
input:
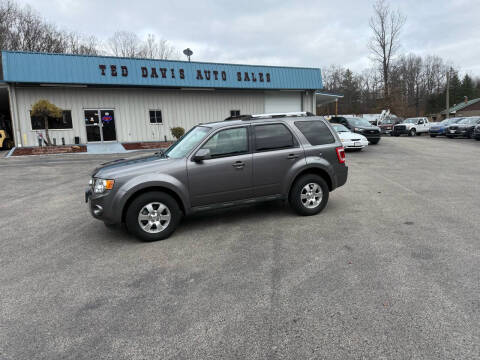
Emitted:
<point x="199" y="75"/>
<point x="239" y="76"/>
<point x="224" y="76"/>
<point x="102" y="68"/>
<point x="260" y="77"/>
<point x="164" y="72"/>
<point x="113" y="69"/>
<point x="246" y="77"/>
<point x="268" y="77"/>
<point x="124" y="71"/>
<point x="254" y="79"/>
<point x="215" y="74"/>
<point x="207" y="74"/>
<point x="154" y="74"/>
<point x="144" y="71"/>
<point x="182" y="74"/>
<point x="173" y="73"/>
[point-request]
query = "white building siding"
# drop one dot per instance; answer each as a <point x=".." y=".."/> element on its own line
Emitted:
<point x="280" y="101"/>
<point x="131" y="109"/>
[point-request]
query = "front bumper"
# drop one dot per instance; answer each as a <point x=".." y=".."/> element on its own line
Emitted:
<point x="99" y="206"/>
<point x="457" y="132"/>
<point x="355" y="144"/>
<point x="401" y="131"/>
<point x="437" y="131"/>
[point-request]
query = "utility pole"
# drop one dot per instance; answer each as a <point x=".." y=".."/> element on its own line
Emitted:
<point x="448" y="94"/>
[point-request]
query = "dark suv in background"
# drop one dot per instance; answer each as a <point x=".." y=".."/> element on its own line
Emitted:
<point x="360" y="126"/>
<point x="463" y="128"/>
<point x="292" y="157"/>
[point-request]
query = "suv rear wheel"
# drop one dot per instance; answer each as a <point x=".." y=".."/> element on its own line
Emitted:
<point x="153" y="216"/>
<point x="309" y="195"/>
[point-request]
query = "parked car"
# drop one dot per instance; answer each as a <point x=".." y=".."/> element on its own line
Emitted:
<point x="349" y="139"/>
<point x="438" y="129"/>
<point x="359" y="126"/>
<point x="412" y="127"/>
<point x="463" y="128"/>
<point x="476" y="132"/>
<point x="298" y="158"/>
<point x="386" y="126"/>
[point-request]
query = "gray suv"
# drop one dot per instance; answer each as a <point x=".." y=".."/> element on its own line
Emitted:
<point x="294" y="157"/>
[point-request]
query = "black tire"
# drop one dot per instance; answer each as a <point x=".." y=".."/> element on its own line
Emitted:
<point x="374" y="142"/>
<point x="295" y="199"/>
<point x="397" y="135"/>
<point x="138" y="204"/>
<point x="412" y="132"/>
<point x="433" y="135"/>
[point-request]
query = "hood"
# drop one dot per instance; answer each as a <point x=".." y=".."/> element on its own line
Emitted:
<point x="121" y="167"/>
<point x="350" y="135"/>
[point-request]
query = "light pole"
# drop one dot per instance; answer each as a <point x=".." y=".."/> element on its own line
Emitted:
<point x="448" y="93"/>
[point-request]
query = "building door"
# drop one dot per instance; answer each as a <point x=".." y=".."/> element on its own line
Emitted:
<point x="100" y="125"/>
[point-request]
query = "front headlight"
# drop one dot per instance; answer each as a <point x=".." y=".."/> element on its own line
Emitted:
<point x="357" y="129"/>
<point x="102" y="184"/>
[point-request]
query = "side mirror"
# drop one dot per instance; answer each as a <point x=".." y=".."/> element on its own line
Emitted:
<point x="201" y="155"/>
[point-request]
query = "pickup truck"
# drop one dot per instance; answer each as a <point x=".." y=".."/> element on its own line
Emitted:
<point x="412" y="127"/>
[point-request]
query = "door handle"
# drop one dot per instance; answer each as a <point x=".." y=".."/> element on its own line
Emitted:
<point x="292" y="156"/>
<point x="238" y="164"/>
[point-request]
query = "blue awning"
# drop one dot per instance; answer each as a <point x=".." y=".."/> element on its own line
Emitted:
<point x="42" y="68"/>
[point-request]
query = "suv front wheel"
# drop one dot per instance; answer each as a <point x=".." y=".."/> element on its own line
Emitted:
<point x="153" y="216"/>
<point x="309" y="195"/>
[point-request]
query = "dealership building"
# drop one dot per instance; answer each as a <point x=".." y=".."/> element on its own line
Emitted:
<point x="111" y="99"/>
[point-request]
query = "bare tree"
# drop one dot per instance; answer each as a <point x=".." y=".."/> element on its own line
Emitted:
<point x="160" y="49"/>
<point x="126" y="44"/>
<point x="24" y="29"/>
<point x="386" y="25"/>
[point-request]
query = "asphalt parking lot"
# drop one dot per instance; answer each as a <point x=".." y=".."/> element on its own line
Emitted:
<point x="390" y="269"/>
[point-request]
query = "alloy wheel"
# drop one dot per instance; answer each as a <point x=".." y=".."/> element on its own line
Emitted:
<point x="311" y="195"/>
<point x="154" y="217"/>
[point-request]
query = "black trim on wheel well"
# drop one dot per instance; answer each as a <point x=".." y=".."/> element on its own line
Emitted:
<point x="316" y="171"/>
<point x="150" y="189"/>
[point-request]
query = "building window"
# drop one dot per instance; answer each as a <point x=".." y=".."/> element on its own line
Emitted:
<point x="156" y="117"/>
<point x="64" y="122"/>
<point x="234" y="113"/>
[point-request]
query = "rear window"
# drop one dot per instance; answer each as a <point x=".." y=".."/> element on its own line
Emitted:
<point x="273" y="136"/>
<point x="316" y="132"/>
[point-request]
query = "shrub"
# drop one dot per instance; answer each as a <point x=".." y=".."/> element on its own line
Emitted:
<point x="177" y="132"/>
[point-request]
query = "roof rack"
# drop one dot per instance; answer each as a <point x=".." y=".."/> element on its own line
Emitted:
<point x="270" y="116"/>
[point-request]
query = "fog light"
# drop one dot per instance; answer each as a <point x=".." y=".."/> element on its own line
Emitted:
<point x="98" y="210"/>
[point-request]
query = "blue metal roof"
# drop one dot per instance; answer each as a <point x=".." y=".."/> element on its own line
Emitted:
<point x="26" y="67"/>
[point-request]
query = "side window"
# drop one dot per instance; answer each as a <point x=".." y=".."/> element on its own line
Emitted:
<point x="420" y="122"/>
<point x="272" y="137"/>
<point x="234" y="113"/>
<point x="316" y="132"/>
<point x="228" y="142"/>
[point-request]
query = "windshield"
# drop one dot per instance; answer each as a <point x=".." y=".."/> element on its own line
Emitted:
<point x="387" y="121"/>
<point x="186" y="143"/>
<point x="340" y="128"/>
<point x="359" y="122"/>
<point x="411" y="121"/>
<point x="465" y="121"/>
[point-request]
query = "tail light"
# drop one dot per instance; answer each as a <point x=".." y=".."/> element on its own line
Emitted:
<point x="341" y="154"/>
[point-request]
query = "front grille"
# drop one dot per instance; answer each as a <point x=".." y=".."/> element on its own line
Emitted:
<point x="453" y="127"/>
<point x="355" y="140"/>
<point x="400" y="127"/>
<point x="371" y="132"/>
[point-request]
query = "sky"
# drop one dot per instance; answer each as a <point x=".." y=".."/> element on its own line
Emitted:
<point x="277" y="32"/>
